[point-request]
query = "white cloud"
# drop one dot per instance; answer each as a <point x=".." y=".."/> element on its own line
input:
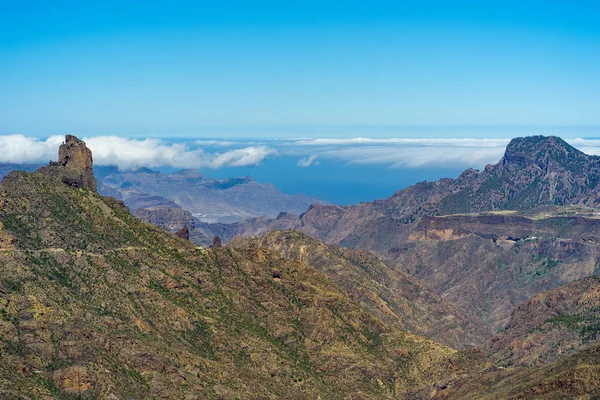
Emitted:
<point x="417" y="152"/>
<point x="406" y="152"/>
<point x="132" y="153"/>
<point x="454" y="142"/>
<point x="395" y="152"/>
<point x="19" y="149"/>
<point x="241" y="157"/>
<point x="215" y="143"/>
<point x="129" y="153"/>
<point x="414" y="157"/>
<point x="308" y="161"/>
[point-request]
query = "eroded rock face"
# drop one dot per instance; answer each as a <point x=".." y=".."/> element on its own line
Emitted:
<point x="6" y="241"/>
<point x="216" y="242"/>
<point x="73" y="379"/>
<point x="170" y="218"/>
<point x="74" y="155"/>
<point x="183" y="233"/>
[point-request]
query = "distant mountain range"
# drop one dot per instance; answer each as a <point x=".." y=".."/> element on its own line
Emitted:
<point x="209" y="200"/>
<point x="494" y="253"/>
<point x="535" y="171"/>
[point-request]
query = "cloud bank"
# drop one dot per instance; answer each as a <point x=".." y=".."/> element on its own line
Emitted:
<point x="408" y="152"/>
<point x="400" y="152"/>
<point x="153" y="153"/>
<point x="19" y="149"/>
<point x="416" y="152"/>
<point x="132" y="153"/>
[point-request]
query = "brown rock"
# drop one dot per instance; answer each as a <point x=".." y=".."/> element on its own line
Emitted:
<point x="73" y="379"/>
<point x="6" y="241"/>
<point x="216" y="242"/>
<point x="173" y="219"/>
<point x="116" y="203"/>
<point x="75" y="155"/>
<point x="183" y="233"/>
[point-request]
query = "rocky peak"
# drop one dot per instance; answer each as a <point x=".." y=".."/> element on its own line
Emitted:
<point x="468" y="174"/>
<point x="74" y="153"/>
<point x="77" y="157"/>
<point x="216" y="242"/>
<point x="74" y="166"/>
<point x="538" y="150"/>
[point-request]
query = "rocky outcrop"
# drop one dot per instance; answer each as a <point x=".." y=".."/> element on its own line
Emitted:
<point x="6" y="240"/>
<point x="183" y="233"/>
<point x="172" y="219"/>
<point x="116" y="203"/>
<point x="73" y="379"/>
<point x="74" y="166"/>
<point x="74" y="155"/>
<point x="216" y="242"/>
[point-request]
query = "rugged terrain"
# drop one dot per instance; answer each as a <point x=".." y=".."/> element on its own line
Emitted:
<point x="574" y="377"/>
<point x="550" y="325"/>
<point x="387" y="293"/>
<point x="489" y="264"/>
<point x="97" y="304"/>
<point x="209" y="200"/>
<point x="451" y="235"/>
<point x="535" y="171"/>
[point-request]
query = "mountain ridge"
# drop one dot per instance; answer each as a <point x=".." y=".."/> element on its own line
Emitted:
<point x="516" y="182"/>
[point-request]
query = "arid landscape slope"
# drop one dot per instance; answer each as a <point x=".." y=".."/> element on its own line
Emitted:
<point x="96" y="304"/>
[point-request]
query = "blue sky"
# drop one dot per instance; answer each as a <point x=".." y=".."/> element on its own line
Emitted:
<point x="198" y="75"/>
<point x="293" y="69"/>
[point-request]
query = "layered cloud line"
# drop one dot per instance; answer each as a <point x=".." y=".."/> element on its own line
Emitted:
<point x="415" y="152"/>
<point x="128" y="153"/>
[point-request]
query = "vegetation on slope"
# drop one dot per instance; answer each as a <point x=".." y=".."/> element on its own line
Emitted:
<point x="387" y="293"/>
<point x="95" y="303"/>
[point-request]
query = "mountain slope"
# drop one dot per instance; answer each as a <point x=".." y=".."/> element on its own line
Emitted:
<point x="483" y="276"/>
<point x="389" y="294"/>
<point x="550" y="325"/>
<point x="575" y="377"/>
<point x="96" y="304"/>
<point x="489" y="264"/>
